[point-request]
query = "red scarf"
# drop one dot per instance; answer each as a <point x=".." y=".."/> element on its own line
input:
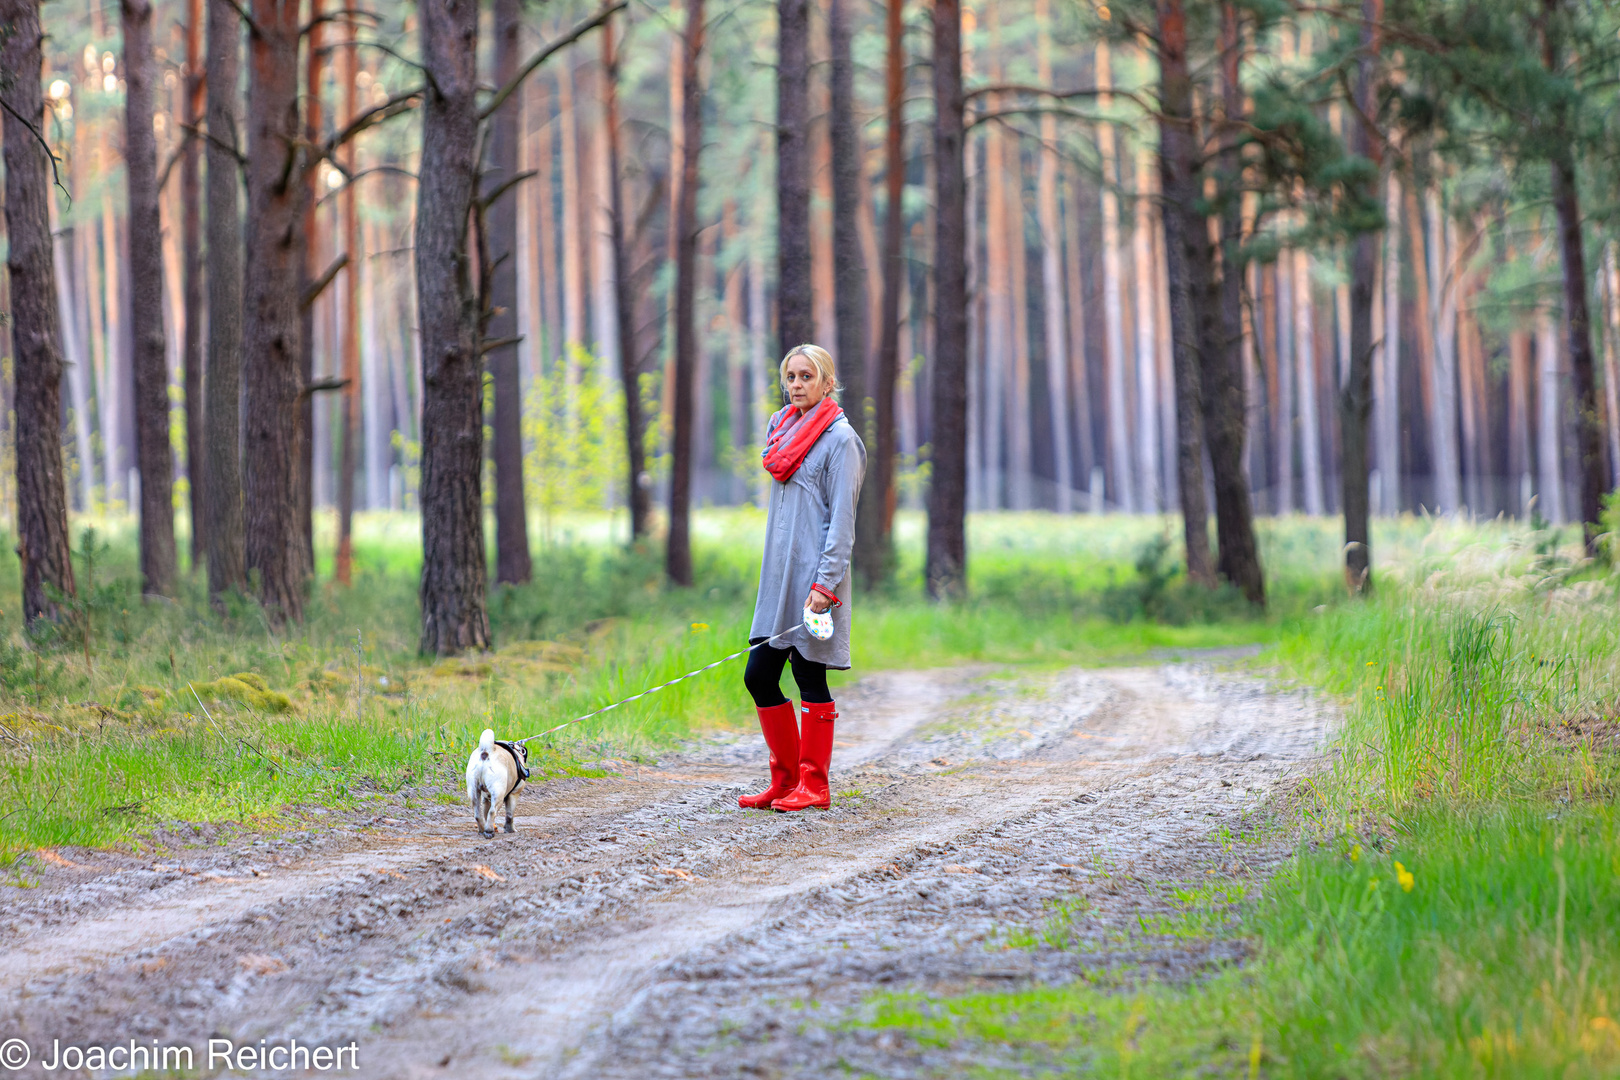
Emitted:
<point x="794" y="434"/>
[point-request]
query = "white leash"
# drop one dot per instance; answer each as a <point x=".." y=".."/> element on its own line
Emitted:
<point x="660" y="686"/>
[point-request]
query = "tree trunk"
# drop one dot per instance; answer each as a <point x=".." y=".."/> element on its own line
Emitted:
<point x="1305" y="372"/>
<point x="313" y="267"/>
<point x="1549" y="450"/>
<point x="1355" y="397"/>
<point x="1443" y="373"/>
<point x="638" y="484"/>
<point x="1388" y="391"/>
<point x="271" y="329"/>
<point x="348" y="450"/>
<point x="545" y="213"/>
<point x="1188" y="263"/>
<point x="946" y="569"/>
<point x="512" y="560"/>
<point x="1086" y="448"/>
<point x="1222" y="384"/>
<point x="1518" y="418"/>
<point x="1150" y="497"/>
<point x="191" y="230"/>
<point x="453" y="574"/>
<point x="1057" y="353"/>
<point x="74" y="333"/>
<point x="1577" y="312"/>
<point x="36" y="336"/>
<point x="154" y="457"/>
<point x="111" y="387"/>
<point x="996" y="328"/>
<point x="1119" y="435"/>
<point x="1018" y="417"/>
<point x="679" y="553"/>
<point x="573" y="246"/>
<point x="227" y="566"/>
<point x="1611" y="361"/>
<point x="795" y="321"/>
<point x="880" y="473"/>
<point x="850" y="286"/>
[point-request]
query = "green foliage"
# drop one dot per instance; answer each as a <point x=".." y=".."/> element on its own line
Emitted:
<point x="573" y="421"/>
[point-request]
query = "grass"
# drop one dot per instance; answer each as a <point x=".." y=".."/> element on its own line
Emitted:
<point x="1454" y="908"/>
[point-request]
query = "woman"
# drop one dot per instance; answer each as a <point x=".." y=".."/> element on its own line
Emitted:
<point x="816" y="462"/>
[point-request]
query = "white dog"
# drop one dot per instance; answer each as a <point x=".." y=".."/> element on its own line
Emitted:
<point x="494" y="773"/>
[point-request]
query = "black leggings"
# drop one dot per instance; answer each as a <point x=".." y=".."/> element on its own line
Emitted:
<point x="763" y="676"/>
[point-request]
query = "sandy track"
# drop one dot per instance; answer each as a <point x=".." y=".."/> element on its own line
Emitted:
<point x="643" y="926"/>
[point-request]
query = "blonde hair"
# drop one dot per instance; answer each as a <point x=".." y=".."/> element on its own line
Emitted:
<point x="820" y="358"/>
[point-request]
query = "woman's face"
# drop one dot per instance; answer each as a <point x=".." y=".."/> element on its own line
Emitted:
<point x="803" y="382"/>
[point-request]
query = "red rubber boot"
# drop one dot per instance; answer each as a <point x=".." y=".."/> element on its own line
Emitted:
<point x="815" y="756"/>
<point x="781" y="728"/>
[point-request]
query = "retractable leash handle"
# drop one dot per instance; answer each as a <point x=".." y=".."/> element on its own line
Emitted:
<point x="808" y="614"/>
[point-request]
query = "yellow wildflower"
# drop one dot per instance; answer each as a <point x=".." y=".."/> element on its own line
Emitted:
<point x="699" y="627"/>
<point x="1355" y="854"/>
<point x="1404" y="876"/>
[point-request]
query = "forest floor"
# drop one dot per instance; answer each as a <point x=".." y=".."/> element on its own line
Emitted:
<point x="991" y="828"/>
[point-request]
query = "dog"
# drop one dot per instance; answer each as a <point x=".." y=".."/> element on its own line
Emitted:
<point x="494" y="773"/>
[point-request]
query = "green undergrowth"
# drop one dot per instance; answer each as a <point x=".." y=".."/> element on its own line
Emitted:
<point x="1477" y="942"/>
<point x="1454" y="907"/>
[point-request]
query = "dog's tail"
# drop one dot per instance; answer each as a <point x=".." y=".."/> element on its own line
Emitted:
<point x="486" y="741"/>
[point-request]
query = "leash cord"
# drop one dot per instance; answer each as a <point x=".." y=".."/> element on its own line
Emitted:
<point x="660" y="686"/>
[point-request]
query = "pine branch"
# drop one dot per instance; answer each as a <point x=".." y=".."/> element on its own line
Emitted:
<point x="545" y="54"/>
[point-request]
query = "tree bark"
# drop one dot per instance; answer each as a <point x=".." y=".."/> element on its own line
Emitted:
<point x="678" y="559"/>
<point x="453" y="573"/>
<point x="1518" y="418"/>
<point x="1388" y="391"/>
<point x="1355" y="397"/>
<point x="795" y="321"/>
<point x="313" y="267"/>
<point x="112" y="388"/>
<point x="1150" y="493"/>
<point x="191" y="230"/>
<point x="350" y="433"/>
<point x="946" y="569"/>
<point x="638" y="486"/>
<point x="1057" y="353"/>
<point x="850" y="286"/>
<point x="513" y="565"/>
<point x="1119" y="439"/>
<point x="36" y="334"/>
<point x="154" y="457"/>
<point x="880" y="473"/>
<point x="1188" y="263"/>
<point x="1611" y="358"/>
<point x="1549" y="449"/>
<point x="271" y="327"/>
<point x="1577" y="310"/>
<point x="227" y="566"/>
<point x="1225" y="398"/>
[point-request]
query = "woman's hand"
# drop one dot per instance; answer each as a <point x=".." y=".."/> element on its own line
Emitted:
<point x="818" y="602"/>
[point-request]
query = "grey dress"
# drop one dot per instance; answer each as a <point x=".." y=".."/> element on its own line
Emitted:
<point x="809" y="533"/>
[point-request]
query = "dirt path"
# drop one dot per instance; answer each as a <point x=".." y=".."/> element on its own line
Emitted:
<point x="643" y="926"/>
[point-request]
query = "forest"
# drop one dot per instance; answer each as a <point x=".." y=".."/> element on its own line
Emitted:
<point x="1234" y="681"/>
<point x="1216" y="259"/>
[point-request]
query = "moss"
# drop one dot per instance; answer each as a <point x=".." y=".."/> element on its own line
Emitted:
<point x="240" y="689"/>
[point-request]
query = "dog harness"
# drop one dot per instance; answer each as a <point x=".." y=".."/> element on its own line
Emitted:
<point x="519" y="758"/>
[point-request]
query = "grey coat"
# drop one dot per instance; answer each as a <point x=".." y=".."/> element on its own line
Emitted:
<point x="809" y="534"/>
